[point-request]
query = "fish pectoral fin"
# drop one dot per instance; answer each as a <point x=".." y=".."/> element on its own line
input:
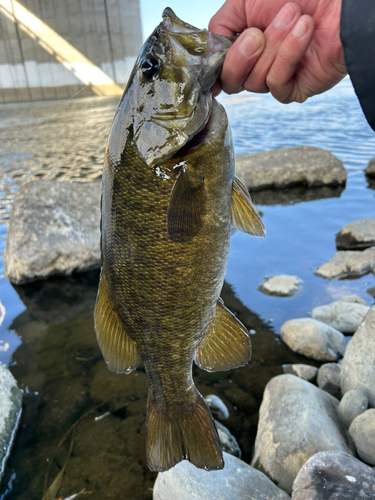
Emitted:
<point x="245" y="216"/>
<point x="226" y="344"/>
<point x="187" y="207"/>
<point x="119" y="351"/>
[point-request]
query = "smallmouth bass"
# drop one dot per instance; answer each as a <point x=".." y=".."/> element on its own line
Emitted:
<point x="169" y="199"/>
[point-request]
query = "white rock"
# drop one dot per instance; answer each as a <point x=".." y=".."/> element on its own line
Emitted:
<point x="307" y="372"/>
<point x="344" y="316"/>
<point x="362" y="431"/>
<point x="357" y="235"/>
<point x="313" y="339"/>
<point x="348" y="263"/>
<point x="283" y="285"/>
<point x="353" y="298"/>
<point x="217" y="406"/>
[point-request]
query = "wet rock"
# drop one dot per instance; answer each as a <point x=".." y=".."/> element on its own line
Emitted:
<point x="362" y="430"/>
<point x="344" y="316"/>
<point x="352" y="404"/>
<point x="370" y="169"/>
<point x="237" y="480"/>
<point x="281" y="285"/>
<point x="313" y="339"/>
<point x="334" y="475"/>
<point x="329" y="379"/>
<point x="357" y="235"/>
<point x="348" y="263"/>
<point x="307" y="372"/>
<point x="10" y="412"/>
<point x="53" y="229"/>
<point x="217" y="406"/>
<point x="358" y="368"/>
<point x="296" y="420"/>
<point x="290" y="166"/>
<point x="228" y="441"/>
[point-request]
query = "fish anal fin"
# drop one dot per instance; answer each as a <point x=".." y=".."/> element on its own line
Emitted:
<point x="226" y="344"/>
<point x="245" y="216"/>
<point x="187" y="432"/>
<point x="119" y="351"/>
<point x="187" y="207"/>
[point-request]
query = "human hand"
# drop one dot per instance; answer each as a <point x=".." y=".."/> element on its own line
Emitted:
<point x="299" y="55"/>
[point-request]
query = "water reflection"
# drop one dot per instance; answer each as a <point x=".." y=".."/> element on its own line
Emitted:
<point x="296" y="194"/>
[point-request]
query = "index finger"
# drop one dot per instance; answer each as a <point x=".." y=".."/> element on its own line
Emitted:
<point x="230" y="19"/>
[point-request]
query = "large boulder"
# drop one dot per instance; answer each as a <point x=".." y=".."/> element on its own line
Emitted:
<point x="343" y="315"/>
<point x="296" y="420"/>
<point x="290" y="166"/>
<point x="356" y="235"/>
<point x="348" y="263"/>
<point x="358" y="367"/>
<point x="333" y="475"/>
<point x="10" y="412"/>
<point x="237" y="480"/>
<point x="54" y="228"/>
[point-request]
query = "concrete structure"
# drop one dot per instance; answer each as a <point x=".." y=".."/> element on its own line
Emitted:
<point x="52" y="49"/>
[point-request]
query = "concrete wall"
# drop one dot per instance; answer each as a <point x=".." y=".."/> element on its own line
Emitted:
<point x="50" y="49"/>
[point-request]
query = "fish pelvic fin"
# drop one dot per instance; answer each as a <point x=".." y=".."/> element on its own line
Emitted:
<point x="245" y="216"/>
<point x="187" y="432"/>
<point x="119" y="351"/>
<point x="226" y="344"/>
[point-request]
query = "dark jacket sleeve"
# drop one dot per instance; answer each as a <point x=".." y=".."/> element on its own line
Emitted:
<point x="357" y="34"/>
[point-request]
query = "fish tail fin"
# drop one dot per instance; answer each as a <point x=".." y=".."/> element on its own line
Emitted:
<point x="187" y="432"/>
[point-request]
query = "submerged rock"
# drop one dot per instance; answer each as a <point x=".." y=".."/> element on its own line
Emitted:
<point x="357" y="235"/>
<point x="290" y="166"/>
<point x="53" y="229"/>
<point x="236" y="481"/>
<point x="217" y="406"/>
<point x="353" y="403"/>
<point x="334" y="475"/>
<point x="313" y="339"/>
<point x="228" y="441"/>
<point x="307" y="372"/>
<point x="348" y="263"/>
<point x="329" y="379"/>
<point x="370" y="169"/>
<point x="344" y="316"/>
<point x="282" y="285"/>
<point x="358" y="367"/>
<point x="296" y="420"/>
<point x="362" y="430"/>
<point x="10" y="412"/>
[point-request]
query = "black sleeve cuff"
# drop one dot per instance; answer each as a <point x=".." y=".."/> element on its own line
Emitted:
<point x="357" y="32"/>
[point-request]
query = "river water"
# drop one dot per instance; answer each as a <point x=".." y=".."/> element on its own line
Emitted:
<point x="47" y="336"/>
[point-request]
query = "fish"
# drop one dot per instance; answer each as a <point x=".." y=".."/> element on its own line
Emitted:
<point x="169" y="200"/>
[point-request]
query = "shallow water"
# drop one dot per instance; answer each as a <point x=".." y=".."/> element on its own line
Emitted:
<point x="47" y="336"/>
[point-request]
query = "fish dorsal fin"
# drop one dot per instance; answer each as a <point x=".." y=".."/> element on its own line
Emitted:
<point x="245" y="216"/>
<point x="187" y="207"/>
<point x="226" y="344"/>
<point x="119" y="351"/>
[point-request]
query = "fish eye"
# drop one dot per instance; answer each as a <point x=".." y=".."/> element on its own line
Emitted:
<point x="149" y="67"/>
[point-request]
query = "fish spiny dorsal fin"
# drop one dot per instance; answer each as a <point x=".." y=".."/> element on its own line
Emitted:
<point x="245" y="216"/>
<point x="187" y="207"/>
<point x="186" y="432"/>
<point x="226" y="344"/>
<point x="119" y="351"/>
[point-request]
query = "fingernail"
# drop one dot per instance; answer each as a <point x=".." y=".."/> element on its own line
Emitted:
<point x="285" y="16"/>
<point x="299" y="29"/>
<point x="250" y="44"/>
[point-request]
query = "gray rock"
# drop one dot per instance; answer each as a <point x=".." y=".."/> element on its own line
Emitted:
<point x="313" y="339"/>
<point x="10" y="412"/>
<point x="329" y="379"/>
<point x="281" y="285"/>
<point x="352" y="404"/>
<point x="344" y="316"/>
<point x="228" y="442"/>
<point x="371" y="291"/>
<point x="333" y="475"/>
<point x="307" y="372"/>
<point x="296" y="420"/>
<point x="357" y="235"/>
<point x="362" y="430"/>
<point x="217" y="406"/>
<point x="53" y="229"/>
<point x="348" y="263"/>
<point x="290" y="166"/>
<point x="370" y="169"/>
<point x="358" y="367"/>
<point x="353" y="298"/>
<point x="236" y="481"/>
